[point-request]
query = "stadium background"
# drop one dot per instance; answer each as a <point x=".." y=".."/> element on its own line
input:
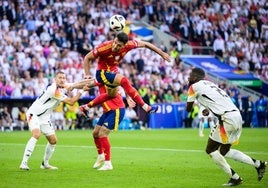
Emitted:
<point x="38" y="38"/>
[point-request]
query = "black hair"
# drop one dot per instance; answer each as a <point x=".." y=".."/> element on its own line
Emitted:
<point x="199" y="73"/>
<point x="122" y="37"/>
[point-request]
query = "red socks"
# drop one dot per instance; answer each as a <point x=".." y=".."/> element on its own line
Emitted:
<point x="105" y="144"/>
<point x="131" y="91"/>
<point x="99" y="100"/>
<point x="98" y="145"/>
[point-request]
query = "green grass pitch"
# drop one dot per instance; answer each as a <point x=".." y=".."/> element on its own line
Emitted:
<point x="151" y="159"/>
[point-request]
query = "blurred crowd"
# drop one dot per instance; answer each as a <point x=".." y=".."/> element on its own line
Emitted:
<point x="38" y="38"/>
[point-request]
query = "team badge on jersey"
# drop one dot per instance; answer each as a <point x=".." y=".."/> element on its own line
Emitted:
<point x="117" y="58"/>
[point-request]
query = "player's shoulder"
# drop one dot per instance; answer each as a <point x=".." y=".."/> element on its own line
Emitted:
<point x="104" y="46"/>
<point x="132" y="43"/>
<point x="51" y="88"/>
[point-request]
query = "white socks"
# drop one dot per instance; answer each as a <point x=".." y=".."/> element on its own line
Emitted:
<point x="221" y="162"/>
<point x="201" y="128"/>
<point x="29" y="149"/>
<point x="241" y="157"/>
<point x="48" y="153"/>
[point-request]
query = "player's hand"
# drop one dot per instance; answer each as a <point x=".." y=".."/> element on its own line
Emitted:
<point x="166" y="57"/>
<point x="205" y="112"/>
<point x="86" y="87"/>
<point x="84" y="110"/>
<point x="130" y="102"/>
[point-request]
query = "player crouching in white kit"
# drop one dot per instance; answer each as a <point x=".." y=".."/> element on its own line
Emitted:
<point x="39" y="118"/>
<point x="228" y="128"/>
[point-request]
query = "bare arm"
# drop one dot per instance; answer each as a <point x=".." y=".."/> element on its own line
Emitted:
<point x="72" y="100"/>
<point x="80" y="84"/>
<point x="130" y="102"/>
<point x="87" y="60"/>
<point x="164" y="55"/>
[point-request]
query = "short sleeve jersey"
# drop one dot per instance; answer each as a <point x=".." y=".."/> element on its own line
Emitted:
<point x="47" y="101"/>
<point x="108" y="60"/>
<point x="210" y="96"/>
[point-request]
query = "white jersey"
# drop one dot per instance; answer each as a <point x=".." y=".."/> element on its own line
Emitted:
<point x="47" y="101"/>
<point x="211" y="97"/>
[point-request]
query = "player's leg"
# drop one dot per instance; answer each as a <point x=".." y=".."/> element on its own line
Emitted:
<point x="34" y="127"/>
<point x="106" y="79"/>
<point x="242" y="157"/>
<point x="50" y="134"/>
<point x="105" y="143"/>
<point x="113" y="118"/>
<point x="233" y="128"/>
<point x="216" y="156"/>
<point x="201" y="127"/>
<point x="97" y="141"/>
<point x="133" y="93"/>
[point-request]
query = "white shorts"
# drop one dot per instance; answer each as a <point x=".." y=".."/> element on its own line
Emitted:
<point x="231" y="130"/>
<point x="41" y="123"/>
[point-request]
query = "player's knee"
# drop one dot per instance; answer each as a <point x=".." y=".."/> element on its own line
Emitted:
<point x="124" y="81"/>
<point x="209" y="150"/>
<point x="36" y="134"/>
<point x="53" y="142"/>
<point x="95" y="134"/>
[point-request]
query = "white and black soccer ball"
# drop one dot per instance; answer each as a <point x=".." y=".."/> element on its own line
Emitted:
<point x="117" y="23"/>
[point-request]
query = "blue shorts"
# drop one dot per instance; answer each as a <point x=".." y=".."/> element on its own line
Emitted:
<point x="112" y="119"/>
<point x="106" y="78"/>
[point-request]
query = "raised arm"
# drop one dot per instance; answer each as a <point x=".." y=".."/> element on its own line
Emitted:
<point x="164" y="55"/>
<point x="80" y="84"/>
<point x="87" y="60"/>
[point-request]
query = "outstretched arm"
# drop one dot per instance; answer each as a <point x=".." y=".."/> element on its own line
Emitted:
<point x="164" y="55"/>
<point x="80" y="84"/>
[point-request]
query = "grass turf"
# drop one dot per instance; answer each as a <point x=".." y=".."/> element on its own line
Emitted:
<point x="151" y="158"/>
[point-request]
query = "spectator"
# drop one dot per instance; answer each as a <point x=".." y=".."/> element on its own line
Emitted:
<point x="5" y="119"/>
<point x="131" y="114"/>
<point x="219" y="46"/>
<point x="249" y="108"/>
<point x="261" y="105"/>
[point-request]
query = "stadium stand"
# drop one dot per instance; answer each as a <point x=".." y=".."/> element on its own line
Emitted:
<point x="40" y="37"/>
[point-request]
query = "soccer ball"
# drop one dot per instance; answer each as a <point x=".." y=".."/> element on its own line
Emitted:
<point x="117" y="23"/>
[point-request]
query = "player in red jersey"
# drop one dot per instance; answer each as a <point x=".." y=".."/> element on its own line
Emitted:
<point x="108" y="55"/>
<point x="114" y="111"/>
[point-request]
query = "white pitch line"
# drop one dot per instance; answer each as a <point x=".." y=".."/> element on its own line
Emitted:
<point x="134" y="148"/>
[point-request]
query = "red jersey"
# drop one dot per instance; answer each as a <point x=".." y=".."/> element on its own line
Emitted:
<point x="112" y="104"/>
<point x="108" y="60"/>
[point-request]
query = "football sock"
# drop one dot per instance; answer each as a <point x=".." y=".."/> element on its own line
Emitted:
<point x="48" y="152"/>
<point x="221" y="162"/>
<point x="99" y="100"/>
<point x="98" y="145"/>
<point x="29" y="149"/>
<point x="201" y="128"/>
<point x="241" y="157"/>
<point x="106" y="147"/>
<point x="133" y="93"/>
